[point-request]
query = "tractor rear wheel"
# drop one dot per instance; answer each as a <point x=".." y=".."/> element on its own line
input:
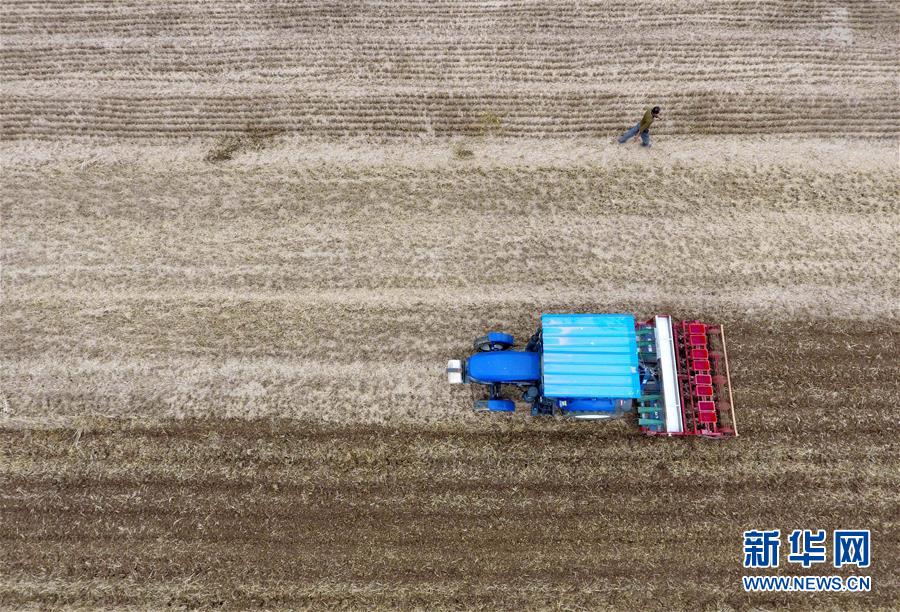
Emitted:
<point x="494" y="405"/>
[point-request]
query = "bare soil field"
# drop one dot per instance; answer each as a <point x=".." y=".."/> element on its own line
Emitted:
<point x="240" y="240"/>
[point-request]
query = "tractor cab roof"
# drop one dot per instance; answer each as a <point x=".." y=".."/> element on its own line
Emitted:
<point x="590" y="356"/>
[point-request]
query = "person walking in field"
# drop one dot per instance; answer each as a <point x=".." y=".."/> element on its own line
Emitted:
<point x="642" y="128"/>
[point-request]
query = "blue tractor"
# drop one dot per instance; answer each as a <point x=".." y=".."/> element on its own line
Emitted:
<point x="674" y="374"/>
<point x="585" y="366"/>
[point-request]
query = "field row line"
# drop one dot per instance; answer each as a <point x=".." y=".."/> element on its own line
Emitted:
<point x="737" y="115"/>
<point x="230" y="86"/>
<point x="759" y="300"/>
<point x="443" y="10"/>
<point x="510" y="116"/>
<point x="463" y="12"/>
<point x="708" y="160"/>
<point x="415" y="98"/>
<point x="378" y="82"/>
<point x="713" y="39"/>
<point x="152" y="27"/>
<point x="441" y="13"/>
<point x="270" y="82"/>
<point x="161" y="133"/>
<point x="135" y="23"/>
<point x="443" y="5"/>
<point x="356" y="61"/>
<point x="18" y="20"/>
<point x="398" y="60"/>
<point x="434" y="65"/>
<point x="280" y="85"/>
<point x="559" y="51"/>
<point x="262" y="41"/>
<point x="585" y="79"/>
<point x="422" y="125"/>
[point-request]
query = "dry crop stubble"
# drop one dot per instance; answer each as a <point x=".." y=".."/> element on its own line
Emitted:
<point x="178" y="70"/>
<point x="285" y="287"/>
<point x="267" y="335"/>
<point x="221" y="382"/>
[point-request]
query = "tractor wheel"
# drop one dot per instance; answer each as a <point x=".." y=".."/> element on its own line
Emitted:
<point x="486" y="343"/>
<point x="494" y="405"/>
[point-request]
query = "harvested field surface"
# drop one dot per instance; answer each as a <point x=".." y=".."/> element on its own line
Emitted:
<point x="310" y="286"/>
<point x="314" y="292"/>
<point x="240" y="240"/>
<point x="178" y="68"/>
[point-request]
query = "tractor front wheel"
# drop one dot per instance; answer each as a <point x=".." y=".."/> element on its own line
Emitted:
<point x="494" y="341"/>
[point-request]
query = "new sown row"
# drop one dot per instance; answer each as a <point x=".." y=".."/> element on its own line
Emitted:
<point x="314" y="23"/>
<point x="352" y="64"/>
